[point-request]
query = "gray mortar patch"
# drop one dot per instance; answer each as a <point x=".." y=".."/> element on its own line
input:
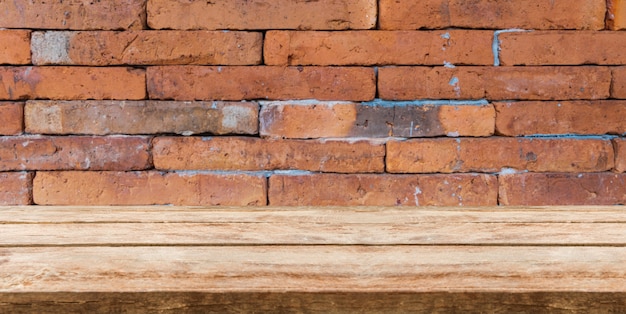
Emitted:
<point x="51" y="48"/>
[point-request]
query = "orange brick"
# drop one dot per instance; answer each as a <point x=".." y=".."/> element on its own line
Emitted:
<point x="562" y="48"/>
<point x="309" y="119"/>
<point x="11" y="118"/>
<point x="260" y="82"/>
<point x="557" y="14"/>
<point x="494" y="154"/>
<point x="494" y="83"/>
<point x="566" y="117"/>
<point x="240" y="153"/>
<point x="383" y="190"/>
<point x="616" y="14"/>
<point x="87" y="15"/>
<point x="74" y="153"/>
<point x="378" y="47"/>
<point x="15" y="47"/>
<point x="147" y="48"/>
<point x="148" y="188"/>
<point x="16" y="188"/>
<point x="72" y="83"/>
<point x="618" y="86"/>
<point x="535" y="189"/>
<point x="103" y="117"/>
<point x="620" y="154"/>
<point x="262" y="14"/>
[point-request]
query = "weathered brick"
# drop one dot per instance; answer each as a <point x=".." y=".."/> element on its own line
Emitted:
<point x="378" y="47"/>
<point x="496" y="153"/>
<point x="75" y="14"/>
<point x="383" y="190"/>
<point x="566" y="117"/>
<point x="260" y="82"/>
<point x="16" y="188"/>
<point x="72" y="83"/>
<point x="495" y="83"/>
<point x="618" y="86"/>
<point x="74" y="153"/>
<point x="620" y="154"/>
<point x="148" y="188"/>
<point x="556" y="14"/>
<point x="103" y="117"/>
<point x="534" y="189"/>
<point x="616" y="14"/>
<point x="307" y="119"/>
<point x="147" y="48"/>
<point x="262" y="14"/>
<point x="11" y="118"/>
<point x="562" y="48"/>
<point x="240" y="153"/>
<point x="15" y="47"/>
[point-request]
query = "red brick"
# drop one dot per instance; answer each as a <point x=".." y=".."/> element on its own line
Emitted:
<point x="494" y="83"/>
<point x="74" y="153"/>
<point x="240" y="153"/>
<point x="147" y="48"/>
<point x="15" y="48"/>
<point x="382" y="190"/>
<point x="543" y="189"/>
<point x="618" y="86"/>
<point x="148" y="188"/>
<point x="16" y="188"/>
<point x="378" y="47"/>
<point x="566" y="117"/>
<point x="309" y="119"/>
<point x="616" y="14"/>
<point x="103" y="117"/>
<point x="557" y="14"/>
<point x="262" y="14"/>
<point x="496" y="153"/>
<point x="11" y="118"/>
<point x="72" y="83"/>
<point x="620" y="154"/>
<point x="87" y="15"/>
<point x="260" y="82"/>
<point x="562" y="48"/>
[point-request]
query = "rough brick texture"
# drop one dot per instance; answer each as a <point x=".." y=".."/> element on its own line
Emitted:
<point x="497" y="153"/>
<point x="564" y="117"/>
<point x="378" y="48"/>
<point x="264" y="82"/>
<point x="563" y="189"/>
<point x="496" y="83"/>
<point x="72" y="83"/>
<point x="11" y="118"/>
<point x="15" y="47"/>
<point x="16" y="188"/>
<point x="237" y="153"/>
<point x="147" y="48"/>
<point x="330" y="102"/>
<point x="75" y="14"/>
<point x="262" y="14"/>
<point x="557" y="14"/>
<point x="148" y="188"/>
<point x="382" y="190"/>
<point x="84" y="153"/>
<point x="140" y="117"/>
<point x="344" y="119"/>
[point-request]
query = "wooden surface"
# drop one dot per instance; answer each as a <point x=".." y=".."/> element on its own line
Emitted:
<point x="498" y="259"/>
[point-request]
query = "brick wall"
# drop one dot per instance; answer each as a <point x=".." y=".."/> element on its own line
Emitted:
<point x="328" y="102"/>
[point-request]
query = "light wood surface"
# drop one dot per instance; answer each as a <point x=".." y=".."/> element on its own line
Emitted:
<point x="556" y="256"/>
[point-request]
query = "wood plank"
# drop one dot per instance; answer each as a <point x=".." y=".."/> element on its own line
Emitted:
<point x="299" y="233"/>
<point x="324" y="269"/>
<point x="182" y="214"/>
